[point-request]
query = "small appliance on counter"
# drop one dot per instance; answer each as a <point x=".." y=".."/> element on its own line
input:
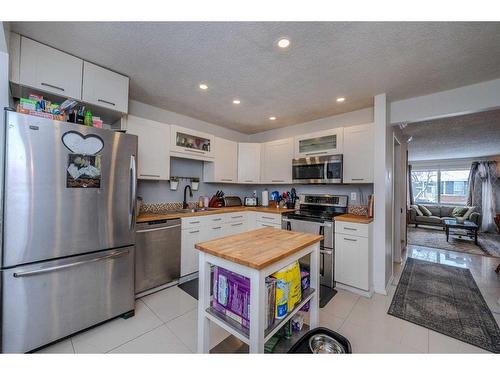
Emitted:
<point x="217" y="199"/>
<point x="265" y="198"/>
<point x="232" y="201"/>
<point x="251" y="201"/>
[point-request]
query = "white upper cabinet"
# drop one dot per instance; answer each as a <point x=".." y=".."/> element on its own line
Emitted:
<point x="249" y="163"/>
<point x="104" y="88"/>
<point x="153" y="148"/>
<point x="358" y="154"/>
<point x="328" y="142"/>
<point x="48" y="69"/>
<point x="14" y="57"/>
<point x="191" y="144"/>
<point x="224" y="168"/>
<point x="276" y="162"/>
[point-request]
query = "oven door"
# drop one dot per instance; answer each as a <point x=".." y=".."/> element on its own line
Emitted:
<point x="327" y="252"/>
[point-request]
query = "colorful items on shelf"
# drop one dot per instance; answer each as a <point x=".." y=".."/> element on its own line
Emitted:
<point x="231" y="296"/>
<point x="288" y="289"/>
<point x="36" y="105"/>
<point x="284" y="288"/>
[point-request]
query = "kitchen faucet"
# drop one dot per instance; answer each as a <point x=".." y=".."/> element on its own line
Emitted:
<point x="184" y="202"/>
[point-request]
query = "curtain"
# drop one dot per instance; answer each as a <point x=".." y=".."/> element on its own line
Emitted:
<point x="483" y="180"/>
<point x="410" y="186"/>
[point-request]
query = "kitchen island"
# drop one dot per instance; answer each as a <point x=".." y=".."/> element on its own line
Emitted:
<point x="255" y="254"/>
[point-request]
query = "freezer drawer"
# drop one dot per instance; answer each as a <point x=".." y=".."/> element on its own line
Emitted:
<point x="48" y="301"/>
<point x="158" y="254"/>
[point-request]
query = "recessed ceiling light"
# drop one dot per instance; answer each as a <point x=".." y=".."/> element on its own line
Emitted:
<point x="203" y="86"/>
<point x="283" y="43"/>
<point x="272" y="118"/>
<point x="236" y="101"/>
<point x="340" y="100"/>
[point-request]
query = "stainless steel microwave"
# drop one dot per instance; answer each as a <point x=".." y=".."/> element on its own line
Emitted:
<point x="317" y="170"/>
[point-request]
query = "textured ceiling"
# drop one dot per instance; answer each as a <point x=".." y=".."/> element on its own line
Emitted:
<point x="457" y="137"/>
<point x="167" y="61"/>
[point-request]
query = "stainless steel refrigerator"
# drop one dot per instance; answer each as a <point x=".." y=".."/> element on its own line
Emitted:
<point x="68" y="229"/>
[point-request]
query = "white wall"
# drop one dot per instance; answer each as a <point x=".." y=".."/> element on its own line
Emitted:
<point x="161" y="115"/>
<point x="467" y="99"/>
<point x="362" y="116"/>
<point x="382" y="224"/>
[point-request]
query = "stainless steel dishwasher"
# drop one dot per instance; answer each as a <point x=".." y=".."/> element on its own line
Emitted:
<point x="157" y="254"/>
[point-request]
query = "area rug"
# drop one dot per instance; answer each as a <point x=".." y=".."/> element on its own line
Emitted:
<point x="488" y="243"/>
<point x="447" y="300"/>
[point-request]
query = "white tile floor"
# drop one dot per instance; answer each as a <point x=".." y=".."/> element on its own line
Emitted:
<point x="166" y="322"/>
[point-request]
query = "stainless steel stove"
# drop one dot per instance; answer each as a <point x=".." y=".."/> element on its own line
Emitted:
<point x="316" y="215"/>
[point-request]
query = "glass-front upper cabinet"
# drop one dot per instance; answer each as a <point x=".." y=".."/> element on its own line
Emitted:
<point x="191" y="144"/>
<point x="327" y="142"/>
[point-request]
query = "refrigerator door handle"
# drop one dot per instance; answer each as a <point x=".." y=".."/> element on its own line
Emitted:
<point x="115" y="254"/>
<point x="133" y="186"/>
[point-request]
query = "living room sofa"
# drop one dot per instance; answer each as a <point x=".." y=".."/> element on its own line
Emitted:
<point x="438" y="215"/>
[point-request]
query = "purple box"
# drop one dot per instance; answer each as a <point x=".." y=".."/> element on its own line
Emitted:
<point x="231" y="295"/>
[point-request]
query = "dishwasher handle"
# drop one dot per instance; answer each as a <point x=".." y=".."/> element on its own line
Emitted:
<point x="157" y="229"/>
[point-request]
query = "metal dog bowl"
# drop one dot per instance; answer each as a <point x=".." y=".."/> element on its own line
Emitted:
<point x="323" y="344"/>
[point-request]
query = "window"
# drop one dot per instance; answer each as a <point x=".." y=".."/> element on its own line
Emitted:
<point x="440" y="186"/>
<point x="424" y="185"/>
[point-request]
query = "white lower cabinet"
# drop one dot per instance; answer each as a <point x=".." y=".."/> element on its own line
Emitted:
<point x="260" y="224"/>
<point x="189" y="255"/>
<point x="353" y="255"/>
<point x="198" y="229"/>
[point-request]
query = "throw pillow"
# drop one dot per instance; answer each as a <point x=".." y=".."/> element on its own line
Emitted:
<point x="415" y="207"/>
<point x="459" y="211"/>
<point x="470" y="210"/>
<point x="425" y="210"/>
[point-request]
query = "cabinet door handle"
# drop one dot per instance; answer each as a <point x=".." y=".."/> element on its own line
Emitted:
<point x="52" y="86"/>
<point x="317" y="153"/>
<point x="226" y="179"/>
<point x="194" y="231"/>
<point x="248" y="180"/>
<point x="357" y="179"/>
<point x="236" y="217"/>
<point x="106" y="102"/>
<point x="216" y="227"/>
<point x="350" y="239"/>
<point x="347" y="228"/>
<point x="149" y="175"/>
<point x="196" y="151"/>
<point x="218" y="219"/>
<point x="237" y="224"/>
<point x="277" y="180"/>
<point x="194" y="222"/>
<point x="267" y="217"/>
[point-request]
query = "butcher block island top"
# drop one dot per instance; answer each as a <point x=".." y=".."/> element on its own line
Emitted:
<point x="259" y="248"/>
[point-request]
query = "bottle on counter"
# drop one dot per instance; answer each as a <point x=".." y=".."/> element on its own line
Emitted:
<point x="88" y="119"/>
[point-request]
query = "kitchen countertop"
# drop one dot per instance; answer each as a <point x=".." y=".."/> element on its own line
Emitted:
<point x="360" y="219"/>
<point x="259" y="248"/>
<point x="142" y="218"/>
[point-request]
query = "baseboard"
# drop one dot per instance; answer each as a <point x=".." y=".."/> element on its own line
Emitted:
<point x="354" y="290"/>
<point x="384" y="291"/>
<point x="156" y="289"/>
